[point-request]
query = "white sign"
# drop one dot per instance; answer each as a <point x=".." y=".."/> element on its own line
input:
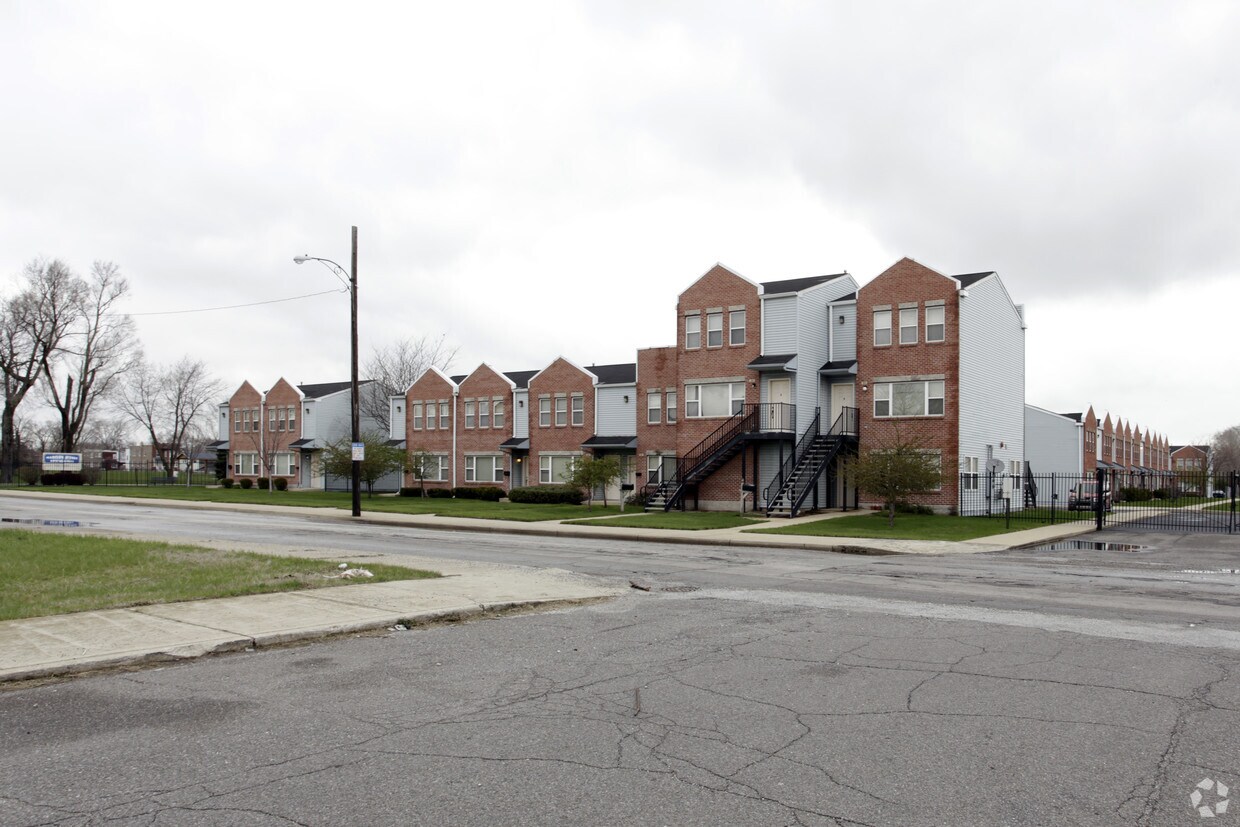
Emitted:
<point x="359" y="451"/>
<point x="62" y="462"/>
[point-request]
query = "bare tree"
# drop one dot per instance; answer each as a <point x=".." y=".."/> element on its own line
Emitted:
<point x="95" y="351"/>
<point x="32" y="325"/>
<point x="167" y="403"/>
<point x="395" y="367"/>
<point x="107" y="432"/>
<point x="1225" y="450"/>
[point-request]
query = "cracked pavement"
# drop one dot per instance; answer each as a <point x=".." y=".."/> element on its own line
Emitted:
<point x="786" y="688"/>
<point x="659" y="708"/>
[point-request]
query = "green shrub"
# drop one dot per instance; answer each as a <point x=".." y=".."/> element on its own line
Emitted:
<point x="480" y="492"/>
<point x="546" y="495"/>
<point x="439" y="493"/>
<point x="1162" y="494"/>
<point x="29" y="474"/>
<point x="1136" y="495"/>
<point x="247" y="483"/>
<point x="228" y="482"/>
<point x="281" y="483"/>
<point x="62" y="478"/>
<point x="914" y="508"/>
<point x="410" y="492"/>
<point x="264" y="483"/>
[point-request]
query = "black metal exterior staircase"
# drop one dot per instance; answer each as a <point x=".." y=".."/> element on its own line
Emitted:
<point x="812" y="456"/>
<point x="711" y="453"/>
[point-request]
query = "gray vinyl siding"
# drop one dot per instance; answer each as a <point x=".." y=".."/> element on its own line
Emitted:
<point x="614" y="416"/>
<point x="843" y="336"/>
<point x="1053" y="447"/>
<point x="333" y="417"/>
<point x="992" y="374"/>
<point x="768" y="467"/>
<point x="225" y="431"/>
<point x="779" y="325"/>
<point x="396" y="417"/>
<point x="812" y="332"/>
<point x="309" y="414"/>
<point x="521" y="414"/>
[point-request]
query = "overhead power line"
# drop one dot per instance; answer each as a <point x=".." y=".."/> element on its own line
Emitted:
<point x="234" y="306"/>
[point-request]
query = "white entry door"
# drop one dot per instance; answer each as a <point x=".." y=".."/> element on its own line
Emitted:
<point x="843" y="395"/>
<point x="779" y="395"/>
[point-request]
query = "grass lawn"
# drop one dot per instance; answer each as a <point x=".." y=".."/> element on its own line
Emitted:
<point x="1176" y="502"/>
<point x="907" y="527"/>
<point x="683" y="520"/>
<point x="480" y="509"/>
<point x="48" y="574"/>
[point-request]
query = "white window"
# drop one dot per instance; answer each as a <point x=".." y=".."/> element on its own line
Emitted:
<point x="654" y="407"/>
<point x="935" y="323"/>
<point x="484" y="469"/>
<point x="237" y="417"/>
<point x="660" y="467"/>
<point x="714" y="330"/>
<point x="908" y="326"/>
<point x="671" y="407"/>
<point x="736" y="327"/>
<point x="882" y="328"/>
<point x="968" y="467"/>
<point x="292" y="418"/>
<point x="579" y="409"/>
<point x="544" y="412"/>
<point x="469" y="413"/>
<point x="714" y="400"/>
<point x="282" y="465"/>
<point x="484" y="413"/>
<point x="561" y="411"/>
<point x="439" y="474"/>
<point x="445" y="416"/>
<point x="498" y="408"/>
<point x="693" y="331"/>
<point x="245" y="464"/>
<point x="430" y="415"/>
<point x="894" y="399"/>
<point x="555" y="469"/>
<point x="417" y="416"/>
<point x="271" y="419"/>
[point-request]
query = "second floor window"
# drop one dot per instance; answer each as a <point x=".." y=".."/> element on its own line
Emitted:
<point x="469" y="414"/>
<point x="671" y="407"/>
<point x="882" y="328"/>
<point x="417" y="416"/>
<point x="654" y="407"/>
<point x="445" y="416"/>
<point x="908" y="326"/>
<point x="718" y="399"/>
<point x="714" y="330"/>
<point x="935" y="323"/>
<point x="544" y="412"/>
<point x="484" y="413"/>
<point x="736" y="327"/>
<point x="561" y="411"/>
<point x="693" y="331"/>
<point x="895" y="399"/>
<point x="498" y="409"/>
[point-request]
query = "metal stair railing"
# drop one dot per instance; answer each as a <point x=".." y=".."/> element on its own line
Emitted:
<point x="790" y="462"/>
<point x="692" y="464"/>
<point x="799" y="486"/>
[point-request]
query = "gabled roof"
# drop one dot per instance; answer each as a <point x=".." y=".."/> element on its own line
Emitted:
<point x="851" y="297"/>
<point x="458" y="378"/>
<point x="972" y="278"/>
<point x="521" y="378"/>
<point x="796" y="285"/>
<point x="327" y="388"/>
<point x="622" y="374"/>
<point x="1077" y="416"/>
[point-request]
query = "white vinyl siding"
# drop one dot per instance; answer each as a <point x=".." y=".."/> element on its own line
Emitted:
<point x="779" y="325"/>
<point x="613" y="415"/>
<point x="521" y="416"/>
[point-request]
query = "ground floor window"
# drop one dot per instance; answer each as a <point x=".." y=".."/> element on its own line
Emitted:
<point x="660" y="467"/>
<point x="484" y="469"/>
<point x="969" y="470"/>
<point x="555" y="469"/>
<point x="245" y="464"/>
<point x="282" y="464"/>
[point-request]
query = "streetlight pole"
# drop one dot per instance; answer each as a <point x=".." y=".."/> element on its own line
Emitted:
<point x="355" y="409"/>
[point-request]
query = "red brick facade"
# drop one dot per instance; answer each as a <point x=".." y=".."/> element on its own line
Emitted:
<point x="913" y="286"/>
<point x="657" y="372"/>
<point x="432" y="392"/>
<point x="263" y="426"/>
<point x="482" y="395"/>
<point x="561" y="418"/>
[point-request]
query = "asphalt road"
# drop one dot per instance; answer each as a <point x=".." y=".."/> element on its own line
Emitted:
<point x="751" y="686"/>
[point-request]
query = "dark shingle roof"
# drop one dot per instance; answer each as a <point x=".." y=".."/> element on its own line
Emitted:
<point x="796" y="285"/>
<point x="851" y="297"/>
<point x="1076" y="416"/>
<point x="459" y="378"/>
<point x="520" y="378"/>
<point x="972" y="278"/>
<point x="597" y="441"/>
<point x="623" y="374"/>
<point x="326" y="388"/>
<point x="771" y="360"/>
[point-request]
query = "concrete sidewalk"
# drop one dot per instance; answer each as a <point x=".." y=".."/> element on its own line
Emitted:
<point x="64" y="644"/>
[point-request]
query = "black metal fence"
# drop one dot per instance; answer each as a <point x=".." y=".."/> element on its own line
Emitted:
<point x="1131" y="500"/>
<point x="29" y="474"/>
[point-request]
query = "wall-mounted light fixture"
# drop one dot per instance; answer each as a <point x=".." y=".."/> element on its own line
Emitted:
<point x="520" y="403"/>
<point x="841" y="319"/>
<point x="864" y="388"/>
<point x="626" y="399"/>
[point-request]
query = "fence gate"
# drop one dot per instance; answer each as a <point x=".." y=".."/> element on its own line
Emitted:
<point x="1170" y="502"/>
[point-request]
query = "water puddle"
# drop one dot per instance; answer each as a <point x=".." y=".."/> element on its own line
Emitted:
<point x="34" y="521"/>
<point x="1088" y="545"/>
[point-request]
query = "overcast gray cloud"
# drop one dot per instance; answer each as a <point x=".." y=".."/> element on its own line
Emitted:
<point x="543" y="179"/>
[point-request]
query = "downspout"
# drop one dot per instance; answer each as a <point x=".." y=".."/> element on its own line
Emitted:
<point x="455" y="391"/>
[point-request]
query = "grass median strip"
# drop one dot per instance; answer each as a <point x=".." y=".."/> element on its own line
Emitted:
<point x="45" y="573"/>
<point x="444" y="507"/>
<point x="907" y="527"/>
<point x="681" y="520"/>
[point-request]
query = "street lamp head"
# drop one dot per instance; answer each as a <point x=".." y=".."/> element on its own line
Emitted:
<point x="301" y="259"/>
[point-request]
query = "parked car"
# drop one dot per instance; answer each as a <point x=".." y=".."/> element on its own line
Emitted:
<point x="1083" y="497"/>
<point x="1219" y="494"/>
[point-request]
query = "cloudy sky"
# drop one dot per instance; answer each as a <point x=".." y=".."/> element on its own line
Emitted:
<point x="542" y="178"/>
